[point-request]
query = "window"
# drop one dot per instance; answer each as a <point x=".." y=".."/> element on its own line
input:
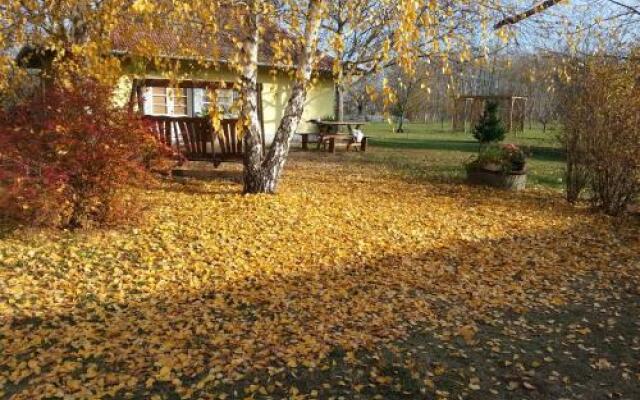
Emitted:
<point x="159" y="100"/>
<point x="225" y="98"/>
<point x="166" y="101"/>
<point x="190" y="102"/>
<point x="179" y="99"/>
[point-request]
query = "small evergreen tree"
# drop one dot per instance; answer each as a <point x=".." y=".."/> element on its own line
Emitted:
<point x="489" y="129"/>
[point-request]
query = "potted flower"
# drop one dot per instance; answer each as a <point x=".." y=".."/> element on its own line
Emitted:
<point x="496" y="165"/>
<point x="490" y="158"/>
<point x="501" y="166"/>
<point x="514" y="158"/>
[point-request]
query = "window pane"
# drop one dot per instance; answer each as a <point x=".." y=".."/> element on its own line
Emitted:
<point x="225" y="97"/>
<point x="158" y="100"/>
<point x="178" y="92"/>
<point x="226" y="102"/>
<point x="198" y="98"/>
<point x="180" y="101"/>
<point x="159" y="108"/>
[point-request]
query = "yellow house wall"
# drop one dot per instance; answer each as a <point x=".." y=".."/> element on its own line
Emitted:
<point x="275" y="93"/>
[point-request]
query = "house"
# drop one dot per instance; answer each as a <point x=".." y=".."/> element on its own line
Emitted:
<point x="176" y="84"/>
<point x="203" y="70"/>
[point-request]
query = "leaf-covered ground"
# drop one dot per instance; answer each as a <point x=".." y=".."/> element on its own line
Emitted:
<point x="351" y="283"/>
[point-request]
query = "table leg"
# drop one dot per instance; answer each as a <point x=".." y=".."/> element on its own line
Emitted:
<point x="350" y="129"/>
<point x="332" y="145"/>
<point x="363" y="144"/>
<point x="305" y="142"/>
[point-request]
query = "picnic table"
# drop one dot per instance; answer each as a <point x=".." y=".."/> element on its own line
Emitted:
<point x="328" y="132"/>
<point x="332" y="127"/>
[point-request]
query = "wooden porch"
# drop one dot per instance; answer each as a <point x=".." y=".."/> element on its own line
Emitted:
<point x="196" y="140"/>
<point x="193" y="137"/>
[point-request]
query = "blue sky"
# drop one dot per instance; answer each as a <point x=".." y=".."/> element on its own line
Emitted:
<point x="590" y="23"/>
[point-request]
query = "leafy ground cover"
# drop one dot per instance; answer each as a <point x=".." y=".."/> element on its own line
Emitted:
<point x="353" y="282"/>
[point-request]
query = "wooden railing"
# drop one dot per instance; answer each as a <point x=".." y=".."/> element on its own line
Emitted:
<point x="195" y="139"/>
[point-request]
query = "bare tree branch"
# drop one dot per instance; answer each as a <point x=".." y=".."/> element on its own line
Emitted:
<point x="538" y="8"/>
<point x="628" y="7"/>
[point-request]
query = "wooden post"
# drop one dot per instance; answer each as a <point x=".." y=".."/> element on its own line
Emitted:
<point x="321" y="132"/>
<point x="261" y="117"/>
<point x="523" y="113"/>
<point x="132" y="95"/>
<point x="363" y="144"/>
<point x="467" y="112"/>
<point x="511" y="118"/>
<point x="140" y="98"/>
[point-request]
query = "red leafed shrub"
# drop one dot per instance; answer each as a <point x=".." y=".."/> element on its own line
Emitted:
<point x="65" y="154"/>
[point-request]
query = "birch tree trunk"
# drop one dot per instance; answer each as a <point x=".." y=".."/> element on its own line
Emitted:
<point x="253" y="151"/>
<point x="262" y="171"/>
<point x="338" y="107"/>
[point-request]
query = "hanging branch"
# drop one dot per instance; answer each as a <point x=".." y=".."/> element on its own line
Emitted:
<point x="538" y="8"/>
<point x="633" y="10"/>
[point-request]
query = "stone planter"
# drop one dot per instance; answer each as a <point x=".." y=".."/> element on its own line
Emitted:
<point x="510" y="181"/>
<point x="492" y="167"/>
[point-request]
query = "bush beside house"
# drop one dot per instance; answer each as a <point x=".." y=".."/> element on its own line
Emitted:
<point x="65" y="155"/>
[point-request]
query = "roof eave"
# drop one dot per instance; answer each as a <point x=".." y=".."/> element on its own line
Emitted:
<point x="281" y="67"/>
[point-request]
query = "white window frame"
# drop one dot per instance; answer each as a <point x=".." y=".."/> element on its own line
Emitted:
<point x="169" y="101"/>
<point x="204" y="102"/>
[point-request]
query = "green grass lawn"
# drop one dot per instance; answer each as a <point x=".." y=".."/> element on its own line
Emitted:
<point x="435" y="151"/>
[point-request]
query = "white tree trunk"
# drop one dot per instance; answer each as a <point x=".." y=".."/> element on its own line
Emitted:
<point x="262" y="173"/>
<point x="339" y="101"/>
<point x="338" y="107"/>
<point x="253" y="151"/>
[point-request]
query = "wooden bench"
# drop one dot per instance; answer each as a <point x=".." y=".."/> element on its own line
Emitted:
<point x="195" y="139"/>
<point x="305" y="139"/>
<point x="230" y="144"/>
<point x="329" y="141"/>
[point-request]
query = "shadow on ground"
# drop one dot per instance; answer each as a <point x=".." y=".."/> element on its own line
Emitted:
<point x="588" y="350"/>
<point x="325" y="331"/>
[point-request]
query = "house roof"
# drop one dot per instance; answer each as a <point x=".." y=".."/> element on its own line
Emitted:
<point x="189" y="43"/>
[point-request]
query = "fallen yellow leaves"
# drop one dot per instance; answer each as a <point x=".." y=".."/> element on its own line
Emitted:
<point x="217" y="286"/>
<point x="468" y="332"/>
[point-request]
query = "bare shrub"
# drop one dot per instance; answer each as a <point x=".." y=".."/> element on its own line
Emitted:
<point x="601" y="116"/>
